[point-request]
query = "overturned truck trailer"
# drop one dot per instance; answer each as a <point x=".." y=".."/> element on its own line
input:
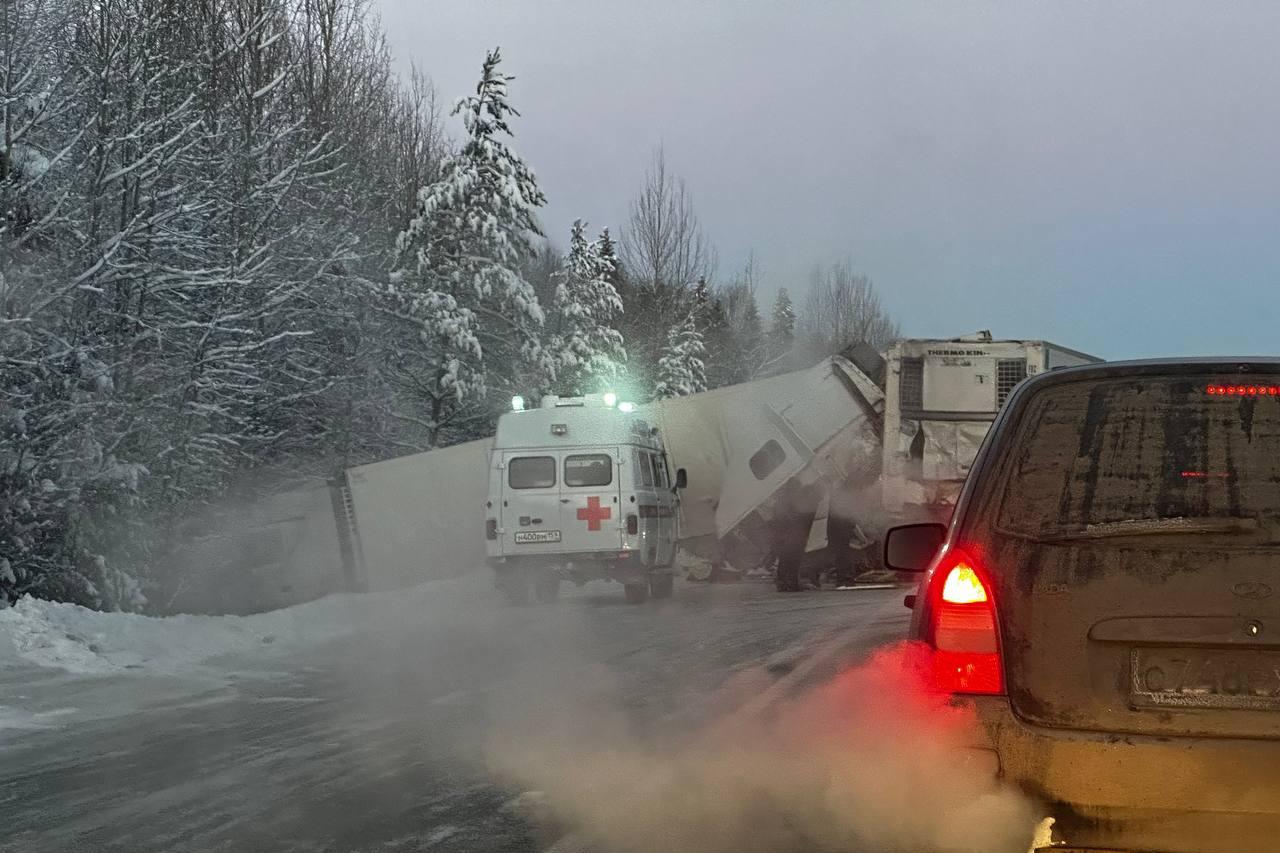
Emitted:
<point x="779" y="469"/>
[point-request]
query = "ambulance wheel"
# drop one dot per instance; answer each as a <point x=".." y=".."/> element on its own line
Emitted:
<point x="661" y="586"/>
<point x="637" y="593"/>
<point x="515" y="588"/>
<point x="546" y="586"/>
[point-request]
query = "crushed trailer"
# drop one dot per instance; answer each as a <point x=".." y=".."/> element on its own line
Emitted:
<point x="792" y="451"/>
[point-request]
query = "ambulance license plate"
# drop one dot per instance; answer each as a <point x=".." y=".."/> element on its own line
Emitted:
<point x="532" y="537"/>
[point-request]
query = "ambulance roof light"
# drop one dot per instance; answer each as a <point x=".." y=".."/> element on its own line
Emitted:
<point x="517" y="403"/>
<point x="610" y="399"/>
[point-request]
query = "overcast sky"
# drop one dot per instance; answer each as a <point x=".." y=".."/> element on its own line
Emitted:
<point x="1101" y="174"/>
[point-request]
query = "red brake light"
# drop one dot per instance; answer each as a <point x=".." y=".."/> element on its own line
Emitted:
<point x="1242" y="390"/>
<point x="962" y="586"/>
<point x="962" y="630"/>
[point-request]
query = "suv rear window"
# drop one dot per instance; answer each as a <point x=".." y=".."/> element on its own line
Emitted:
<point x="531" y="472"/>
<point x="1145" y="449"/>
<point x="593" y="469"/>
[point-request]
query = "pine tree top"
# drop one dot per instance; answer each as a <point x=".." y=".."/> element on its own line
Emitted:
<point x="485" y="113"/>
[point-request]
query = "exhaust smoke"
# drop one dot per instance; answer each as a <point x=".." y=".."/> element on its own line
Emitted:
<point x="870" y="761"/>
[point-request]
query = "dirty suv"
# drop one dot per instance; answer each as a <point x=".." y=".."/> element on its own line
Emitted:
<point x="1107" y="597"/>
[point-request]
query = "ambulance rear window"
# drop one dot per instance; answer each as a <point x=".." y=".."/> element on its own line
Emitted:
<point x="531" y="472"/>
<point x="590" y="469"/>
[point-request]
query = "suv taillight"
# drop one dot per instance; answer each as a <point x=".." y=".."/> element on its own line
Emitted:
<point x="491" y="528"/>
<point x="961" y="628"/>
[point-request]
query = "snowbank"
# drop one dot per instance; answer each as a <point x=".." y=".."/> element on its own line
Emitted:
<point x="88" y="642"/>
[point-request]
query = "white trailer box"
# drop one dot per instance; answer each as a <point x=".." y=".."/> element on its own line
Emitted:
<point x="941" y="397"/>
<point x="419" y="517"/>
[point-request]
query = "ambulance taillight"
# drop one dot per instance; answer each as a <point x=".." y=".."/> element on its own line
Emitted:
<point x="491" y="529"/>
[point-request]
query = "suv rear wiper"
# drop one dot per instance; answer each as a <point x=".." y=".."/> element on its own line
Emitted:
<point x="1153" y="527"/>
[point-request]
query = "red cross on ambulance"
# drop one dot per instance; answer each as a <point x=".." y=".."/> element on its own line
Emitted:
<point x="593" y="513"/>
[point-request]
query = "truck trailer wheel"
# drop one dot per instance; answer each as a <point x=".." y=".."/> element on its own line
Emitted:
<point x="661" y="585"/>
<point x="546" y="586"/>
<point x="637" y="593"/>
<point x="787" y="578"/>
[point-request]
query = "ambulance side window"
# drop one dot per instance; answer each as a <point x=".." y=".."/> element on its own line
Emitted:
<point x="645" y="469"/>
<point x="659" y="471"/>
<point x="531" y="472"/>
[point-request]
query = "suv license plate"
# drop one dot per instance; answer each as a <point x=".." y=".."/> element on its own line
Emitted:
<point x="1245" y="679"/>
<point x="530" y="537"/>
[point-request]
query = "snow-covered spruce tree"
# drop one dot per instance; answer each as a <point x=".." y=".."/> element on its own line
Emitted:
<point x="746" y="330"/>
<point x="681" y="369"/>
<point x="781" y="334"/>
<point x="782" y="328"/>
<point x="586" y="346"/>
<point x="607" y="250"/>
<point x="722" y="352"/>
<point x="456" y="276"/>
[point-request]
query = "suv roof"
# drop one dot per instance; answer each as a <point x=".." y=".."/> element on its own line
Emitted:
<point x="1152" y="366"/>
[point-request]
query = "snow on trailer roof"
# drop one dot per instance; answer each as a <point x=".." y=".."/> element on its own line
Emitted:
<point x="575" y="421"/>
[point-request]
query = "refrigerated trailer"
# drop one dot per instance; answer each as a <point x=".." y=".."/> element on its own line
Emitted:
<point x="941" y="397"/>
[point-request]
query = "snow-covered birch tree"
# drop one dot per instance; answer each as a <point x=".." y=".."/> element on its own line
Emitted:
<point x="102" y="247"/>
<point x="195" y="201"/>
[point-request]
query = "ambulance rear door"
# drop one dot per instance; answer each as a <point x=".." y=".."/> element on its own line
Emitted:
<point x="530" y="517"/>
<point x="590" y="488"/>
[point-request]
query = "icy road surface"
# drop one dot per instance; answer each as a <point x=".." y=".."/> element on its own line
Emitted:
<point x="365" y="723"/>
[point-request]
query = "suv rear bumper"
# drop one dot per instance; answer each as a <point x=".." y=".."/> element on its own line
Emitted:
<point x="1129" y="792"/>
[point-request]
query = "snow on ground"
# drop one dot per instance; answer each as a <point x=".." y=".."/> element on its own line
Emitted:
<point x="17" y="718"/>
<point x="88" y="642"/>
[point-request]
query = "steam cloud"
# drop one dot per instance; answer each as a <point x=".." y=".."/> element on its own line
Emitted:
<point x="869" y="761"/>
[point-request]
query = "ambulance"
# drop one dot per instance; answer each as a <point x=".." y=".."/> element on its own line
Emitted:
<point x="580" y="488"/>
